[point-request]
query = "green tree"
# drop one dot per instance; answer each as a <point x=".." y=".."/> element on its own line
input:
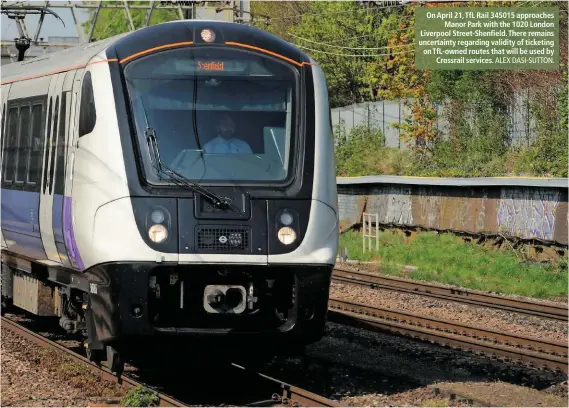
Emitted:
<point x="285" y="15"/>
<point x="111" y="22"/>
<point x="365" y="50"/>
<point x="329" y="32"/>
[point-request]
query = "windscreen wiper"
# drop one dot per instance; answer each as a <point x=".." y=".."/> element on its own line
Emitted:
<point x="173" y="175"/>
<point x="177" y="178"/>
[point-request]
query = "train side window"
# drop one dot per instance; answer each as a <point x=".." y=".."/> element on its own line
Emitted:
<point x="11" y="145"/>
<point x="47" y="138"/>
<point x="87" y="113"/>
<point x="23" y="145"/>
<point x="60" y="148"/>
<point x="34" y="165"/>
<point x="53" y="143"/>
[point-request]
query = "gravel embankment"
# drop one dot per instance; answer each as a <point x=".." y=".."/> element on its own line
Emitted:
<point x="495" y="319"/>
<point x="383" y="369"/>
<point x="424" y="364"/>
<point x="34" y="376"/>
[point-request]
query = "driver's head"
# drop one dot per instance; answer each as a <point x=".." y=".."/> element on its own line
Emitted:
<point x="226" y="127"/>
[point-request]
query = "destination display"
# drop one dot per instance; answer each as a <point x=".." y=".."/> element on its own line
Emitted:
<point x="213" y="65"/>
<point x="216" y="66"/>
<point x="480" y="38"/>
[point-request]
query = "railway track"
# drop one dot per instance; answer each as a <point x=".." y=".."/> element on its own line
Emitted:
<point x="282" y="393"/>
<point x="105" y="373"/>
<point x="521" y="349"/>
<point x="452" y="294"/>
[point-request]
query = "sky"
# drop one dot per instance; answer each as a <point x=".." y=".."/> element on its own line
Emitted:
<point x="51" y="25"/>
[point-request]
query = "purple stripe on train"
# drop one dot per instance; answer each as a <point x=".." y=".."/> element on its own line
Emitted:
<point x="72" y="249"/>
<point x="57" y="211"/>
<point x="57" y="218"/>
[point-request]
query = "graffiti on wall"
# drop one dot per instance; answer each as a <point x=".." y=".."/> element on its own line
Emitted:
<point x="429" y="207"/>
<point x="350" y="206"/>
<point x="525" y="212"/>
<point x="461" y="210"/>
<point x="528" y="213"/>
<point x="480" y="219"/>
<point x="392" y="204"/>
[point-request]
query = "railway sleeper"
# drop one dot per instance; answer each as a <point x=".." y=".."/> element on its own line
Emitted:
<point x="409" y="333"/>
<point x="460" y="332"/>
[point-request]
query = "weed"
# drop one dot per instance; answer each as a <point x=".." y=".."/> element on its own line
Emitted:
<point x="73" y="369"/>
<point x="140" y="397"/>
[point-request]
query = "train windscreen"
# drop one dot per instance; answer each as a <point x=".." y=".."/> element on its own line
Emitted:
<point x="218" y="114"/>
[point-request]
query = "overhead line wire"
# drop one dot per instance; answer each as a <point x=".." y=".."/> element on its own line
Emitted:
<point x="338" y="12"/>
<point x="354" y="55"/>
<point x="349" y="48"/>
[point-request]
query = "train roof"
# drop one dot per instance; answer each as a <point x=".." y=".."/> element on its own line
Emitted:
<point x="160" y="36"/>
<point x="53" y="62"/>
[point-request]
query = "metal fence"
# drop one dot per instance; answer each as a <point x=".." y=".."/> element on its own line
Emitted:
<point x="384" y="114"/>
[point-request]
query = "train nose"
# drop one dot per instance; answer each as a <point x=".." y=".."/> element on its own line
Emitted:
<point x="224" y="299"/>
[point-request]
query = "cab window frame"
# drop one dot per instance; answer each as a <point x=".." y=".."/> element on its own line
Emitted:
<point x="296" y="137"/>
<point x="87" y="107"/>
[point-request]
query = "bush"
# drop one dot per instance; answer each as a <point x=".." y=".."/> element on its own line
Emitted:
<point x="478" y="145"/>
<point x="361" y="152"/>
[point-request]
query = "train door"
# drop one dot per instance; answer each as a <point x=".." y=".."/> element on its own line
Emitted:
<point x="74" y="126"/>
<point x="4" y="94"/>
<point x="46" y="192"/>
<point x="57" y="182"/>
<point x="74" y="257"/>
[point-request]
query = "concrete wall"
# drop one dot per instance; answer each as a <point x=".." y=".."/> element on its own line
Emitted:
<point x="524" y="208"/>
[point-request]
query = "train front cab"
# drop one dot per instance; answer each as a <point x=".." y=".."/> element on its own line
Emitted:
<point x="261" y="268"/>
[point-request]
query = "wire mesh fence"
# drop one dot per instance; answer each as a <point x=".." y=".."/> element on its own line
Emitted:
<point x="385" y="115"/>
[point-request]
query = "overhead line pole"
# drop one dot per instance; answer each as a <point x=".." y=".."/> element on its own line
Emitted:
<point x="38" y="28"/>
<point x="94" y="21"/>
<point x="239" y="11"/>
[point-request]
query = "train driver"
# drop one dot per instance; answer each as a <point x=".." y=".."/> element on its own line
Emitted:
<point x="224" y="142"/>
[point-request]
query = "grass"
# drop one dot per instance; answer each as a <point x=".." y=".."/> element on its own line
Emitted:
<point x="446" y="258"/>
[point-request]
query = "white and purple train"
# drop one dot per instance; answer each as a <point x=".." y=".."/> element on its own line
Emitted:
<point x="175" y="181"/>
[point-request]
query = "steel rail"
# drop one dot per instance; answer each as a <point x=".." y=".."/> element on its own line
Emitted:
<point x="362" y="316"/>
<point x="290" y="394"/>
<point x="283" y="392"/>
<point x="105" y="373"/>
<point x="515" y="340"/>
<point x="452" y="294"/>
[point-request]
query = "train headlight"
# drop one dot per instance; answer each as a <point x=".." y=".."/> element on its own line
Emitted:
<point x="286" y="235"/>
<point x="286" y="218"/>
<point x="157" y="217"/>
<point x="158" y="233"/>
